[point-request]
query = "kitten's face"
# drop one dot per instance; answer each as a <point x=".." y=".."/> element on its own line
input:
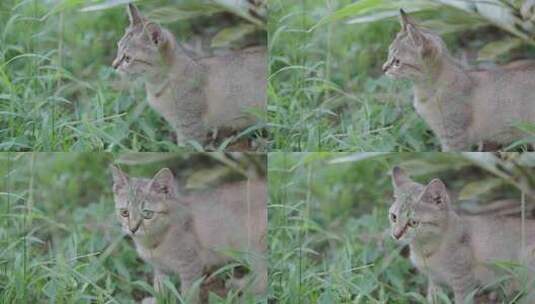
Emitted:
<point x="418" y="211"/>
<point x="143" y="206"/>
<point x="139" y="50"/>
<point x="413" y="52"/>
<point x="403" y="60"/>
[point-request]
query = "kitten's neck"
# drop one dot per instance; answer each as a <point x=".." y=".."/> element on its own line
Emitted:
<point x="176" y="68"/>
<point x="444" y="73"/>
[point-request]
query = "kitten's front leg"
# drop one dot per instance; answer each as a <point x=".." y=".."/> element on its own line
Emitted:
<point x="157" y="283"/>
<point x="159" y="278"/>
<point x="432" y="292"/>
<point x="453" y="146"/>
<point x="189" y="273"/>
<point x="196" y="132"/>
<point x="463" y="288"/>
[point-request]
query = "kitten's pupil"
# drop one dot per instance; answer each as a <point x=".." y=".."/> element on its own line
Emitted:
<point x="396" y="62"/>
<point x="124" y="213"/>
<point x="127" y="58"/>
<point x="393" y="216"/>
<point x="412" y="223"/>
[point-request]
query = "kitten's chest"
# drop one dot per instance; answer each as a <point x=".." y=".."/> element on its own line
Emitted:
<point x="430" y="266"/>
<point x="156" y="257"/>
<point x="427" y="102"/>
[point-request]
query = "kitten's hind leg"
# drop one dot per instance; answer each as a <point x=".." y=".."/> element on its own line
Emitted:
<point x="255" y="282"/>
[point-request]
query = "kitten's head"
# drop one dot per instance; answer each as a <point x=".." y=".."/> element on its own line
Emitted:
<point x="418" y="211"/>
<point x="142" y="49"/>
<point x="144" y="206"/>
<point x="414" y="51"/>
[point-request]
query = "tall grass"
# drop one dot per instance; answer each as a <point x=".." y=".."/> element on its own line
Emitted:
<point x="58" y="91"/>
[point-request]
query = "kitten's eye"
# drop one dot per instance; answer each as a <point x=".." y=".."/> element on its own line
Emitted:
<point x="127" y="58"/>
<point x="124" y="213"/>
<point x="396" y="62"/>
<point x="147" y="214"/>
<point x="393" y="217"/>
<point x="412" y="223"/>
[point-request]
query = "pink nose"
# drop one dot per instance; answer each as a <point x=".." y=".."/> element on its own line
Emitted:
<point x="399" y="232"/>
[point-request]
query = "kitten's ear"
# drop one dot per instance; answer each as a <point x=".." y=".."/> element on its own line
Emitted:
<point x="436" y="193"/>
<point x="399" y="177"/>
<point x="408" y="25"/>
<point x="155" y="33"/>
<point x="427" y="45"/>
<point x="134" y="15"/>
<point x="163" y="182"/>
<point x="120" y="179"/>
<point x="415" y="35"/>
<point x="404" y="19"/>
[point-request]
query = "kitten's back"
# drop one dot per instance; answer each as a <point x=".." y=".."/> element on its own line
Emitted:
<point x="499" y="238"/>
<point x="235" y="83"/>
<point x="232" y="216"/>
<point x="503" y="96"/>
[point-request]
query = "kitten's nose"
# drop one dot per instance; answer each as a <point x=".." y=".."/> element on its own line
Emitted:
<point x="135" y="227"/>
<point x="385" y="66"/>
<point x="398" y="232"/>
<point x="115" y="63"/>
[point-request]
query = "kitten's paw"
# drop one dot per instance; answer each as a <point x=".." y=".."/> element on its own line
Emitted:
<point x="150" y="300"/>
<point x="237" y="283"/>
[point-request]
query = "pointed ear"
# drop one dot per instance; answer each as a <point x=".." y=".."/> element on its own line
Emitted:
<point x="415" y="35"/>
<point x="134" y="15"/>
<point x="399" y="177"/>
<point x="155" y="33"/>
<point x="404" y="19"/>
<point x="120" y="179"/>
<point x="435" y="193"/>
<point x="163" y="182"/>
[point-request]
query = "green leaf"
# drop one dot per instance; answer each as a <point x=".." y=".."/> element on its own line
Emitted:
<point x="356" y="157"/>
<point x="496" y="48"/>
<point x="388" y="9"/>
<point x="105" y="5"/>
<point x="243" y="9"/>
<point x="475" y="189"/>
<point x="231" y="34"/>
<point x="139" y="158"/>
<point x="168" y="14"/>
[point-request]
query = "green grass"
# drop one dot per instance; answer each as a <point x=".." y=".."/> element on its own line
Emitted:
<point x="58" y="91"/>
<point x="327" y="91"/>
<point x="59" y="239"/>
<point x="329" y="231"/>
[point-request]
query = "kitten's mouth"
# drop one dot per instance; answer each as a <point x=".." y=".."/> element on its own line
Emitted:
<point x="399" y="234"/>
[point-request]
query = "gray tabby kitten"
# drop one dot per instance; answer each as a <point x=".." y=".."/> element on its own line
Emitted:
<point x="194" y="233"/>
<point x="463" y="107"/>
<point x="193" y="95"/>
<point x="453" y="250"/>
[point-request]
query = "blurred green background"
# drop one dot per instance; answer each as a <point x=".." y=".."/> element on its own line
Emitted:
<point x="327" y="91"/>
<point x="60" y="241"/>
<point x="58" y="91"/>
<point x="328" y="219"/>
